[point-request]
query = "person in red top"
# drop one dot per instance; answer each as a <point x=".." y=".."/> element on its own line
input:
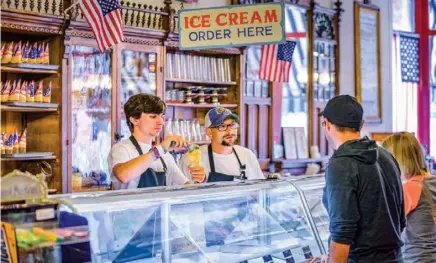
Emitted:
<point x="419" y="188"/>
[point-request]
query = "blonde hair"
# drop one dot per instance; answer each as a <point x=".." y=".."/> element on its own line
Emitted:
<point x="408" y="153"/>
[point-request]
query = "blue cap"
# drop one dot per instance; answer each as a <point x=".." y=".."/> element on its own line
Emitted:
<point x="217" y="116"/>
<point x="344" y="111"/>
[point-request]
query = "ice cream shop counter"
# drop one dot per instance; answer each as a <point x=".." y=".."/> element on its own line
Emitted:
<point x="256" y="221"/>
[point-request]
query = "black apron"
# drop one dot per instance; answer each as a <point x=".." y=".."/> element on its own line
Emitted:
<point x="150" y="178"/>
<point x="219" y="177"/>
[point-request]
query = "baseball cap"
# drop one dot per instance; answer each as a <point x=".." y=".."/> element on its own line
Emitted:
<point x="344" y="111"/>
<point x="217" y="116"/>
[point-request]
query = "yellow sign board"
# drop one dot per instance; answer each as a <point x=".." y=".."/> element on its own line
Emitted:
<point x="229" y="26"/>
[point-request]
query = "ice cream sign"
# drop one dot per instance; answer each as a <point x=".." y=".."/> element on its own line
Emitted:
<point x="229" y="26"/>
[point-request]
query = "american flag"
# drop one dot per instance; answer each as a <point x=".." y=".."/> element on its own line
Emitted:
<point x="405" y="82"/>
<point x="104" y="17"/>
<point x="409" y="53"/>
<point x="275" y="61"/>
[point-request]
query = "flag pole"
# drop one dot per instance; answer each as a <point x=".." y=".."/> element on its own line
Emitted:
<point x="71" y="6"/>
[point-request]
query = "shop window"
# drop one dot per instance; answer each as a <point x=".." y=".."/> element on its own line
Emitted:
<point x="404" y="15"/>
<point x="294" y="104"/>
<point x="91" y="102"/>
<point x="432" y="14"/>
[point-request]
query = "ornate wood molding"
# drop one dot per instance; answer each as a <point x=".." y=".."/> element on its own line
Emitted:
<point x="31" y="22"/>
<point x="80" y="28"/>
<point x="324" y="22"/>
<point x="339" y="10"/>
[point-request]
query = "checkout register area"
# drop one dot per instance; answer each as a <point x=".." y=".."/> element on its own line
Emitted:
<point x="280" y="220"/>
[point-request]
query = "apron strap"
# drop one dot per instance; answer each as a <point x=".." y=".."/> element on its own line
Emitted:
<point x="212" y="164"/>
<point x="163" y="164"/>
<point x="136" y="144"/>
<point x="241" y="166"/>
<point x="237" y="157"/>
<point x="138" y="148"/>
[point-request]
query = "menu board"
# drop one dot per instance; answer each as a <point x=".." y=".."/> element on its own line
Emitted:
<point x="368" y="78"/>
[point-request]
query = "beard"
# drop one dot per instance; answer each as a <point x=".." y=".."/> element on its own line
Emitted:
<point x="227" y="143"/>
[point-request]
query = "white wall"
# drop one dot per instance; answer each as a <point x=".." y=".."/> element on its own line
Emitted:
<point x="347" y="75"/>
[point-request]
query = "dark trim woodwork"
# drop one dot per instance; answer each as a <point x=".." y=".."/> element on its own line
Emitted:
<point x="25" y="21"/>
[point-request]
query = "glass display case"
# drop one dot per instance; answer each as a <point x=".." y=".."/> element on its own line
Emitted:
<point x="312" y="188"/>
<point x="256" y="221"/>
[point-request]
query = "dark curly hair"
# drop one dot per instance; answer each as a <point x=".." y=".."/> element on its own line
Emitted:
<point x="143" y="103"/>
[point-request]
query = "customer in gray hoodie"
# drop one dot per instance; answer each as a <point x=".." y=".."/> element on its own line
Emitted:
<point x="363" y="193"/>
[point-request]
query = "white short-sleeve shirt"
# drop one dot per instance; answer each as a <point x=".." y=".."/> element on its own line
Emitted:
<point x="125" y="151"/>
<point x="227" y="163"/>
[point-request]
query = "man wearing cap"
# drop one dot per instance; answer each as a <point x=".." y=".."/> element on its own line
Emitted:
<point x="222" y="160"/>
<point x="363" y="193"/>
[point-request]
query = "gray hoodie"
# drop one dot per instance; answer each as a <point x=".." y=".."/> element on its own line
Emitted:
<point x="364" y="199"/>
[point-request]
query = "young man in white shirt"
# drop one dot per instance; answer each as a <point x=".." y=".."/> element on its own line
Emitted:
<point x="134" y="162"/>
<point x="222" y="160"/>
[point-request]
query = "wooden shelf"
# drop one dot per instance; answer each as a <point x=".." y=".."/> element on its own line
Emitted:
<point x="32" y="158"/>
<point x="203" y="81"/>
<point x="30" y="68"/>
<point x="29" y="107"/>
<point x="207" y="105"/>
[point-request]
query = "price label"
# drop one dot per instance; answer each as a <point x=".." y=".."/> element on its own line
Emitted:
<point x="45" y="214"/>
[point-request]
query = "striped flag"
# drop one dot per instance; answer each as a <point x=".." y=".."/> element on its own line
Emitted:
<point x="275" y="61"/>
<point x="405" y="82"/>
<point x="104" y="17"/>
